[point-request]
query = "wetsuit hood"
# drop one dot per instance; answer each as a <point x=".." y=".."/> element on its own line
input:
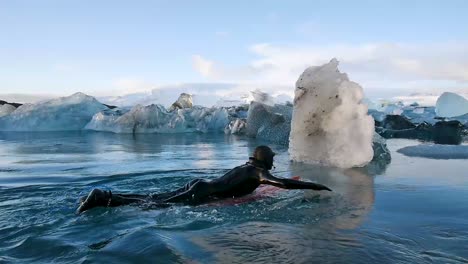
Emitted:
<point x="262" y="157"/>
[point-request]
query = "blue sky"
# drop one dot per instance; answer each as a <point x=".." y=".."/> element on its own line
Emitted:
<point x="117" y="47"/>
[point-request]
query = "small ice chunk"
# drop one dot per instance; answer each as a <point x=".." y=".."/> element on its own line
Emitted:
<point x="381" y="152"/>
<point x="330" y="125"/>
<point x="451" y="105"/>
<point x="436" y="151"/>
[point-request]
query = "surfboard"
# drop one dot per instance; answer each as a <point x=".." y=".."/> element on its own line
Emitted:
<point x="262" y="192"/>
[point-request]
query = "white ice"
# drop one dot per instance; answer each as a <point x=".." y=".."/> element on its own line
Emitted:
<point x="61" y="114"/>
<point x="156" y="119"/>
<point x="451" y="105"/>
<point x="236" y="127"/>
<point x="6" y="109"/>
<point x="184" y="101"/>
<point x="436" y="151"/>
<point x="330" y="125"/>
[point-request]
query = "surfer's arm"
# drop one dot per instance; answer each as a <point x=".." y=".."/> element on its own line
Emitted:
<point x="267" y="178"/>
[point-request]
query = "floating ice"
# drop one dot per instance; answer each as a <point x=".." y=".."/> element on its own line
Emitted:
<point x="418" y="114"/>
<point x="385" y="106"/>
<point x="61" y="114"/>
<point x="436" y="151"/>
<point x="330" y="125"/>
<point x="156" y="119"/>
<point x="381" y="152"/>
<point x="451" y="104"/>
<point x="6" y="109"/>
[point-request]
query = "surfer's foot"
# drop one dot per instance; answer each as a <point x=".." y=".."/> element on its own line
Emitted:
<point x="324" y="188"/>
<point x="95" y="198"/>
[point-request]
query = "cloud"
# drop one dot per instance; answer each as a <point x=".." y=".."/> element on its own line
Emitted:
<point x="376" y="66"/>
<point x="131" y="85"/>
<point x="203" y="66"/>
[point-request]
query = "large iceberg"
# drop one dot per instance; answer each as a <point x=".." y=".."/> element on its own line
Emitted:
<point x="156" y="119"/>
<point x="451" y="105"/>
<point x="330" y="125"/>
<point x="61" y="114"/>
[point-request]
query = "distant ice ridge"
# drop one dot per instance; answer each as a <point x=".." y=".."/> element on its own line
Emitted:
<point x="208" y="95"/>
<point x="156" y="119"/>
<point x="330" y="125"/>
<point x="385" y="106"/>
<point x="436" y="151"/>
<point x="451" y="105"/>
<point x="61" y="114"/>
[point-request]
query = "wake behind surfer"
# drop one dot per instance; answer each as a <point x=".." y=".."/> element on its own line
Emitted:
<point x="240" y="181"/>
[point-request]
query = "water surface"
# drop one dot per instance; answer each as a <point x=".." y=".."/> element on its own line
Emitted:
<point x="415" y="210"/>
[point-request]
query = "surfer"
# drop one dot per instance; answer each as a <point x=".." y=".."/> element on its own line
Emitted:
<point x="239" y="181"/>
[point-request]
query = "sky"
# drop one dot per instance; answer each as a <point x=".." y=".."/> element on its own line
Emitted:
<point x="118" y="47"/>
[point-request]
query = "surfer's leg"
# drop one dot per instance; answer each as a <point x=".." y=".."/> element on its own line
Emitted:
<point x="100" y="198"/>
<point x="159" y="197"/>
<point x="192" y="193"/>
<point x="95" y="198"/>
<point x="124" y="199"/>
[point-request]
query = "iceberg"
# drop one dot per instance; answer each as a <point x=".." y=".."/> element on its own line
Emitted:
<point x="6" y="109"/>
<point x="272" y="123"/>
<point x="330" y="125"/>
<point x="418" y="114"/>
<point x="61" y="114"/>
<point x="448" y="132"/>
<point x="451" y="105"/>
<point x="156" y="119"/>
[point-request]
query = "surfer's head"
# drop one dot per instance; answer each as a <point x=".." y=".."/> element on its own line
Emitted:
<point x="264" y="155"/>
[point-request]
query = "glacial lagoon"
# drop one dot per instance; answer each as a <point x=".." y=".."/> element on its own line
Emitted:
<point x="414" y="210"/>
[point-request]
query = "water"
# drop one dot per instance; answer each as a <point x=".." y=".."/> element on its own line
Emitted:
<point x="413" y="211"/>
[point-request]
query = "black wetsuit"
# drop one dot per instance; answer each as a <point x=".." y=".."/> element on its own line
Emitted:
<point x="239" y="181"/>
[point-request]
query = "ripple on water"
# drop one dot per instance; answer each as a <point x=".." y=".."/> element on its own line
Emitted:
<point x="396" y="220"/>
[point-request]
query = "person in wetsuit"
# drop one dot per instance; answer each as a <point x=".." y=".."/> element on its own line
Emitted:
<point x="239" y="181"/>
